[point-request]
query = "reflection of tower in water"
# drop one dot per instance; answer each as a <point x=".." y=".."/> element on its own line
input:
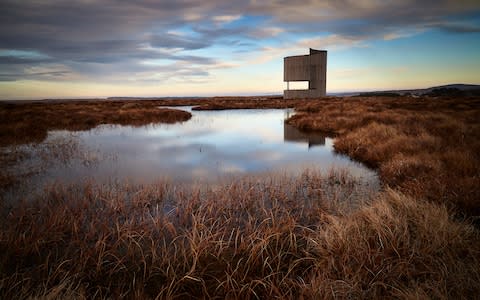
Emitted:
<point x="292" y="134"/>
<point x="288" y="113"/>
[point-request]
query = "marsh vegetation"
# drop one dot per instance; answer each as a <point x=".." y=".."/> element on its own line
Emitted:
<point x="313" y="235"/>
<point x="30" y="122"/>
<point x="426" y="147"/>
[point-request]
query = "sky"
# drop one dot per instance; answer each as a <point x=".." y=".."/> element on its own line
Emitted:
<point x="147" y="48"/>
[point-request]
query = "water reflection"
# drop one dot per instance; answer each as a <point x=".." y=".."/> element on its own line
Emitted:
<point x="292" y="134"/>
<point x="211" y="146"/>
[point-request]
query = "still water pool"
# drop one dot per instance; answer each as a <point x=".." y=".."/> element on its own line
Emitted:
<point x="211" y="146"/>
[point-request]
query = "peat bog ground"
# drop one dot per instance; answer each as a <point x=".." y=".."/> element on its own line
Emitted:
<point x="268" y="237"/>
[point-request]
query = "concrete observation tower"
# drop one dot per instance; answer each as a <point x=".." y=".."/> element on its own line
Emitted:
<point x="311" y="68"/>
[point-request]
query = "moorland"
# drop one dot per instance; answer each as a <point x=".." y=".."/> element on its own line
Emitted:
<point x="418" y="237"/>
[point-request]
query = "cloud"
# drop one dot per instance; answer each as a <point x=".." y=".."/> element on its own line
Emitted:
<point x="111" y="40"/>
<point x="15" y="60"/>
<point x="331" y="42"/>
<point x="177" y="41"/>
<point x="225" y="19"/>
<point x="458" y="27"/>
<point x="93" y="37"/>
<point x="51" y="75"/>
<point x="266" y="32"/>
<point x="401" y="34"/>
<point x="370" y="19"/>
<point x="372" y="11"/>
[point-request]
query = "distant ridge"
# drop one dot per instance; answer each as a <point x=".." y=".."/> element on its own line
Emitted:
<point x="151" y="98"/>
<point x="461" y="88"/>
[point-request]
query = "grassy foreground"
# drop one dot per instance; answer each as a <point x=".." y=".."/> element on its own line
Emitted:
<point x="272" y="237"/>
<point x="267" y="238"/>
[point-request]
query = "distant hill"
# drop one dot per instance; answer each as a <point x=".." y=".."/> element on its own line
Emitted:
<point x="151" y="98"/>
<point x="460" y="86"/>
<point x="457" y="89"/>
<point x="457" y="86"/>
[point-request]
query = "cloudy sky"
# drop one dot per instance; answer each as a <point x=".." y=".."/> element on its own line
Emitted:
<point x="89" y="48"/>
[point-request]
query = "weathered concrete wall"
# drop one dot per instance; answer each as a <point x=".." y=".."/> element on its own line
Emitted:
<point x="318" y="71"/>
<point x="311" y="68"/>
<point x="302" y="94"/>
<point x="296" y="68"/>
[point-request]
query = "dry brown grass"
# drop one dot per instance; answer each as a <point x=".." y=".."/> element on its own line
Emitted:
<point x="29" y="122"/>
<point x="398" y="247"/>
<point x="222" y="103"/>
<point x="426" y="147"/>
<point x="269" y="238"/>
<point x="23" y="123"/>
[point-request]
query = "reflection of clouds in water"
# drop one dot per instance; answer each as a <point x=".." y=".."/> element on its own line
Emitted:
<point x="267" y="156"/>
<point x="231" y="168"/>
<point x="263" y="124"/>
<point x="240" y="123"/>
<point x="209" y="146"/>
